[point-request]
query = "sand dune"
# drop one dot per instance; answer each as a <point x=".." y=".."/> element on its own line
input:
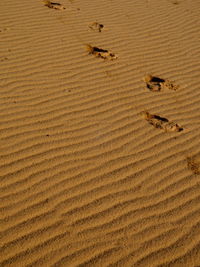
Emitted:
<point x="85" y="180"/>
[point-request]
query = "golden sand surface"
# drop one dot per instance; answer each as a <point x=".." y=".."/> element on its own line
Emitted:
<point x="85" y="179"/>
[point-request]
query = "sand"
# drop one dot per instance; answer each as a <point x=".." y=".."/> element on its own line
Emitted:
<point x="85" y="179"/>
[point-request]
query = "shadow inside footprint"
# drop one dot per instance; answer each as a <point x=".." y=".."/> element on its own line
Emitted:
<point x="96" y="49"/>
<point x="159" y="118"/>
<point x="157" y="80"/>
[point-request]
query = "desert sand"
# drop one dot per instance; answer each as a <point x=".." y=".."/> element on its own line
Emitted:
<point x="86" y="178"/>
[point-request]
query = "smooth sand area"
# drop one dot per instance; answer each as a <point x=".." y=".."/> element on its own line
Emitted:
<point x="100" y="133"/>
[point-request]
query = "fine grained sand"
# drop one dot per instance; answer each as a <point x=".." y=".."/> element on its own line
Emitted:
<point x="85" y="179"/>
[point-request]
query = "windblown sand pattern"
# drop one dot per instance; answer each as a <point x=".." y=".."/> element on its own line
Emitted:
<point x="85" y="181"/>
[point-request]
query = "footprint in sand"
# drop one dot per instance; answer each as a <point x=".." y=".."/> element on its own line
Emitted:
<point x="157" y="84"/>
<point x="161" y="123"/>
<point x="4" y="29"/>
<point x="193" y="163"/>
<point x="53" y="5"/>
<point x="99" y="52"/>
<point x="174" y="2"/>
<point x="95" y="26"/>
<point x="3" y="59"/>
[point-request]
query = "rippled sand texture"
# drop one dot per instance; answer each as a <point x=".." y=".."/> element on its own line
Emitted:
<point x="85" y="179"/>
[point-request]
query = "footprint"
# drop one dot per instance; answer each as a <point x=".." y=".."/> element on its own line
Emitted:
<point x="157" y="84"/>
<point x="4" y="29"/>
<point x="3" y="59"/>
<point x="193" y="163"/>
<point x="53" y="5"/>
<point x="174" y="2"/>
<point x="161" y="123"/>
<point x="99" y="52"/>
<point x="95" y="26"/>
